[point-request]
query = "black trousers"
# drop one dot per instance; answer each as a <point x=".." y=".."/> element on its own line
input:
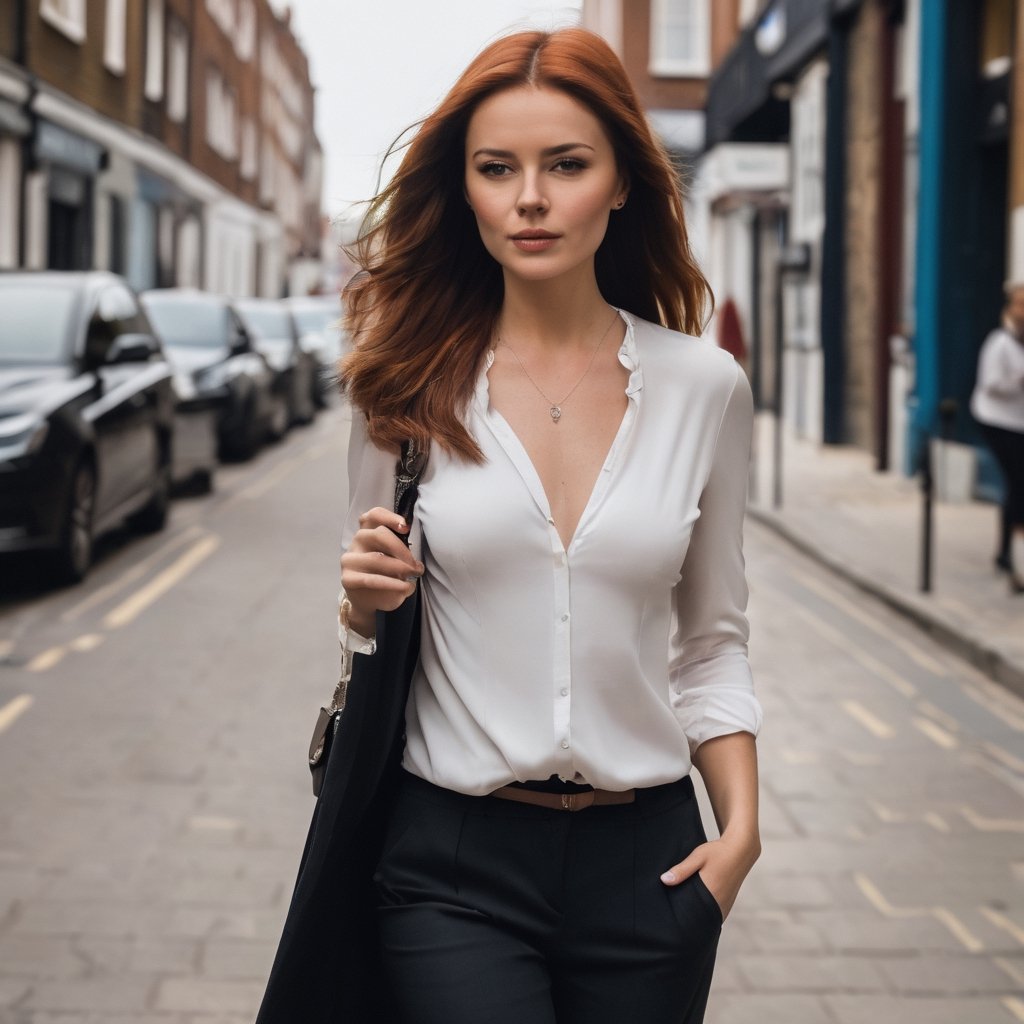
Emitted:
<point x="494" y="912"/>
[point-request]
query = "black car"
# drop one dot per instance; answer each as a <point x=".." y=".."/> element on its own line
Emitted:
<point x="86" y="415"/>
<point x="317" y="320"/>
<point x="275" y="336"/>
<point x="205" y="339"/>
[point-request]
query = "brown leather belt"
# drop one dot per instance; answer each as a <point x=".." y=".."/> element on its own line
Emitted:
<point x="566" y="801"/>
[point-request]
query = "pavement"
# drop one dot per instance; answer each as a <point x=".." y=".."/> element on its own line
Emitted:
<point x="866" y="526"/>
<point x="154" y="796"/>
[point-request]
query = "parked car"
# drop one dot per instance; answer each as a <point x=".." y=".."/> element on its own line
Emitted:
<point x="317" y="320"/>
<point x="196" y="445"/>
<point x="86" y="415"/>
<point x="275" y="336"/>
<point x="207" y="341"/>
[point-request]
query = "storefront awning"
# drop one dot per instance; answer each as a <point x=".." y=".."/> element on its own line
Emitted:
<point x="60" y="146"/>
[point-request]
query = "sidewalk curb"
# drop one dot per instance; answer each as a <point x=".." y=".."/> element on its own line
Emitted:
<point x="993" y="663"/>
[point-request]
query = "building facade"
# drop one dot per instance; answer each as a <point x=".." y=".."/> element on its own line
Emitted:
<point x="130" y="140"/>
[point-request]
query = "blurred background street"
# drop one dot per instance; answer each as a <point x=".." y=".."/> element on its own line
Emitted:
<point x="154" y="793"/>
<point x="177" y="179"/>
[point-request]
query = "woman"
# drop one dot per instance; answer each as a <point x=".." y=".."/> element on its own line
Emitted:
<point x="578" y="544"/>
<point x="997" y="403"/>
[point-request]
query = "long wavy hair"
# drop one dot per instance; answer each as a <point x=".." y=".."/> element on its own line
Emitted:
<point x="423" y="309"/>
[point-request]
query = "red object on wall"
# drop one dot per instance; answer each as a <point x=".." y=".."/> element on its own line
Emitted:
<point x="730" y="331"/>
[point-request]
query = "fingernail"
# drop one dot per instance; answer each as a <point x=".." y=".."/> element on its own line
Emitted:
<point x="403" y="526"/>
<point x="668" y="878"/>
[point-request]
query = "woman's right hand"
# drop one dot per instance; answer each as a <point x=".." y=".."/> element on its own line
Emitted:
<point x="378" y="572"/>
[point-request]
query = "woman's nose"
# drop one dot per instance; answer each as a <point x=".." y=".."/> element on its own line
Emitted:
<point x="531" y="199"/>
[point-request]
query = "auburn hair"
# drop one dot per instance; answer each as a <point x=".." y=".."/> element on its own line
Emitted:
<point x="423" y="309"/>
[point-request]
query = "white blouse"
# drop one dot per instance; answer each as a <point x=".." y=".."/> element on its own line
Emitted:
<point x="998" y="396"/>
<point x="607" y="663"/>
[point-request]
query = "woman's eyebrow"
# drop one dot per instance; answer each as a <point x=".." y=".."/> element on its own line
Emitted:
<point x="550" y="151"/>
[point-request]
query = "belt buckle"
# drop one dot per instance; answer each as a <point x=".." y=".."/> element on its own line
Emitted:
<point x="577" y="801"/>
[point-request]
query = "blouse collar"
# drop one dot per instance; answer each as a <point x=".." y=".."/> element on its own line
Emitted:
<point x="629" y="357"/>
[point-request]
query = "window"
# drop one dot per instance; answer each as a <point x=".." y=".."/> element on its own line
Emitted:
<point x="154" y="50"/>
<point x="223" y="13"/>
<point x="245" y="37"/>
<point x="113" y="41"/>
<point x="249" y="154"/>
<point x="66" y="15"/>
<point x="221" y="115"/>
<point x="680" y="38"/>
<point x="177" y="70"/>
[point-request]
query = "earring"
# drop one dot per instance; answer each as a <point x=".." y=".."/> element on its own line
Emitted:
<point x="620" y="204"/>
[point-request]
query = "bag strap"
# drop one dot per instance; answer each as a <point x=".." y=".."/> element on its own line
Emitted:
<point x="411" y="462"/>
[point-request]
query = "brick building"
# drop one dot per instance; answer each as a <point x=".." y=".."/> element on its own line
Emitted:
<point x="131" y="134"/>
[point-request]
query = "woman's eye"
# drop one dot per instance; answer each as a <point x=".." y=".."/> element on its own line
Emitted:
<point x="570" y="164"/>
<point x="494" y="170"/>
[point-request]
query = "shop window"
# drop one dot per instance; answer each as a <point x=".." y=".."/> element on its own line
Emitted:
<point x="66" y="15"/>
<point x="680" y="38"/>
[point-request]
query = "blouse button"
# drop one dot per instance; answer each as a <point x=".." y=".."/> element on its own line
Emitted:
<point x="565" y="744"/>
<point x="565" y="617"/>
<point x="565" y="692"/>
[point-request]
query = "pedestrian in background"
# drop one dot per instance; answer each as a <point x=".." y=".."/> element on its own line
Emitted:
<point x="527" y="307"/>
<point x="997" y="403"/>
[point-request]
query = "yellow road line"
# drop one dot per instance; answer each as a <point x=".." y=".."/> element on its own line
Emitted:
<point x="130" y="609"/>
<point x="936" y="821"/>
<point x="1003" y="922"/>
<point x="1015" y="1006"/>
<point x="871" y="722"/>
<point x="274" y="476"/>
<point x="13" y="710"/>
<point x="995" y="704"/>
<point x="87" y="642"/>
<point x="845" y="644"/>
<point x="1015" y="764"/>
<point x="1010" y="968"/>
<point x="851" y="610"/>
<point x="983" y="824"/>
<point x="941" y="914"/>
<point x="970" y="941"/>
<point x="936" y="733"/>
<point x="942" y="717"/>
<point x="46" y="659"/>
<point x="135" y="572"/>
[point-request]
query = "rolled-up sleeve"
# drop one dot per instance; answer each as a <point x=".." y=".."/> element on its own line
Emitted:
<point x="711" y="687"/>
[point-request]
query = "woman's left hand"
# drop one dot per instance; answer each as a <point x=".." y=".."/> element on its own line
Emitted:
<point x="723" y="864"/>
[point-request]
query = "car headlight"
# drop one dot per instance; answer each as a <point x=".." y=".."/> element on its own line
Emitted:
<point x="213" y="377"/>
<point x="21" y="437"/>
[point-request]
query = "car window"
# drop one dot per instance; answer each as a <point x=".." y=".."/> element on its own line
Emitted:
<point x="117" y="307"/>
<point x="35" y="324"/>
<point x="268" y="321"/>
<point x="200" y="324"/>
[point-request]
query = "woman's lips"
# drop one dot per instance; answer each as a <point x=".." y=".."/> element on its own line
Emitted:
<point x="534" y="243"/>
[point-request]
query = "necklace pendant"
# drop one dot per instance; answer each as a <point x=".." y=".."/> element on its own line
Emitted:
<point x="556" y="413"/>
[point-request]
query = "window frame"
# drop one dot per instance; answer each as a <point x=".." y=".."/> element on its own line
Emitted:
<point x="115" y="21"/>
<point x="661" y="64"/>
<point x="70" y="21"/>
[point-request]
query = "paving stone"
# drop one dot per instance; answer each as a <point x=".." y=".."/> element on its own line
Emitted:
<point x="947" y="975"/>
<point x="40" y="956"/>
<point x="762" y="1008"/>
<point x="870" y="932"/>
<point x="140" y="954"/>
<point x="772" y="973"/>
<point x="128" y="995"/>
<point x="237" y="958"/>
<point x="96" y="917"/>
<point x="205" y="995"/>
<point x="777" y="931"/>
<point x="13" y="991"/>
<point x="901" y="1009"/>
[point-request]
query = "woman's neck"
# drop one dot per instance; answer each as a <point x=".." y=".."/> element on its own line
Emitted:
<point x="552" y="315"/>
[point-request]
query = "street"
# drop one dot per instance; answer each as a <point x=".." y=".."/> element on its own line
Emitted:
<point x="154" y="794"/>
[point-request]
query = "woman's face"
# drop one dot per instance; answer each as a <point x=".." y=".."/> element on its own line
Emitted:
<point x="542" y="180"/>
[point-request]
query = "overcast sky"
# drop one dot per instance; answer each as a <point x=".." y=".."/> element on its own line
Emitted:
<point x="381" y="65"/>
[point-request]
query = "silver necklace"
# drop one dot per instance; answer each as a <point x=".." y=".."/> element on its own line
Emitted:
<point x="555" y="408"/>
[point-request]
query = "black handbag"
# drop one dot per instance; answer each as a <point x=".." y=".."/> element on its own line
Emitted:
<point x="328" y="968"/>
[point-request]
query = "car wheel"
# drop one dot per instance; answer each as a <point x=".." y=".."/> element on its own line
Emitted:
<point x="280" y="418"/>
<point x="245" y="441"/>
<point x="74" y="555"/>
<point x="203" y="481"/>
<point x="152" y="517"/>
